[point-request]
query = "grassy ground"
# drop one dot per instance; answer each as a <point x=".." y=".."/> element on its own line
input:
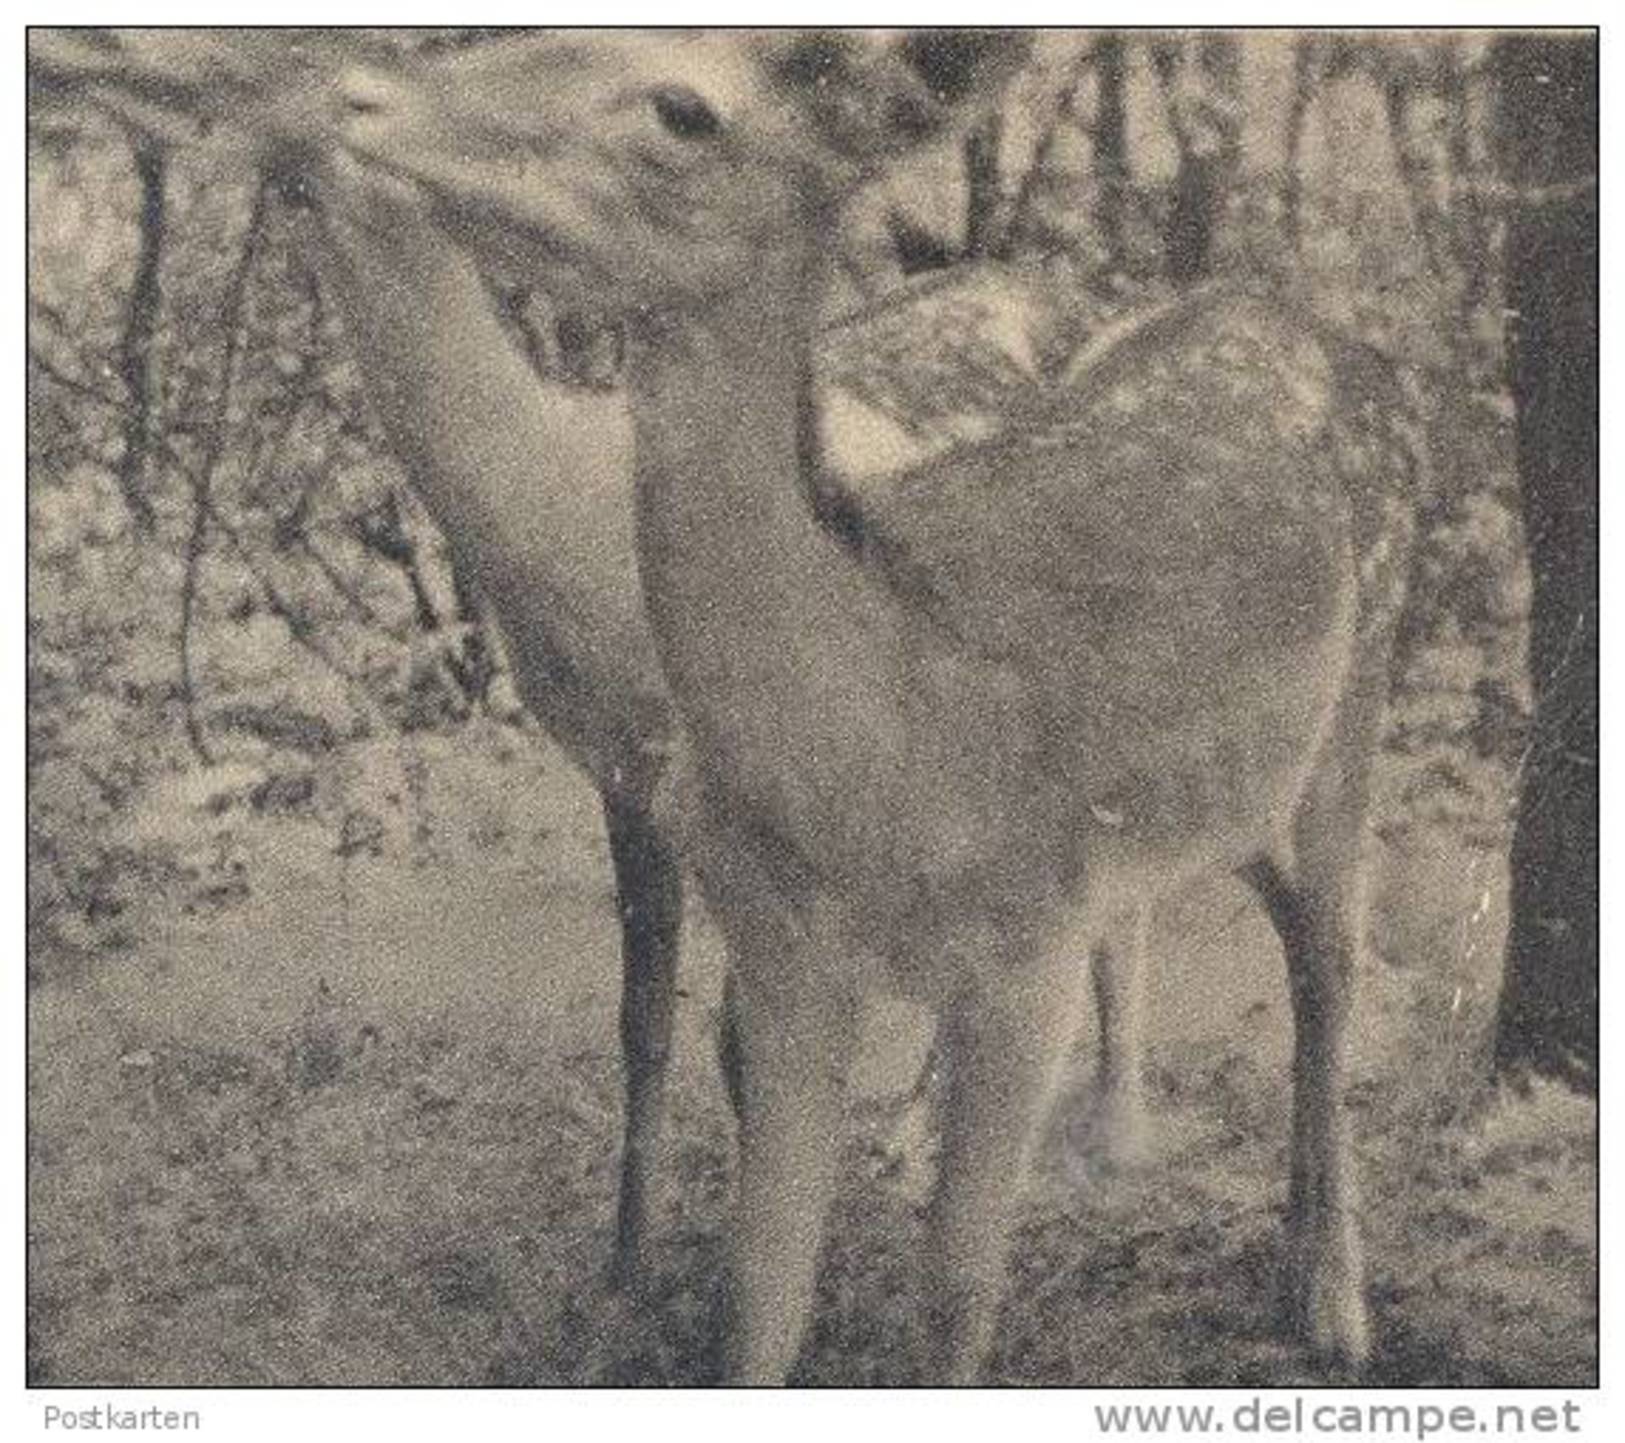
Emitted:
<point x="355" y="1121"/>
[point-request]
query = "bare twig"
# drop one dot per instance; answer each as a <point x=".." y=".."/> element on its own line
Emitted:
<point x="348" y="593"/>
<point x="478" y="663"/>
<point x="1397" y="97"/>
<point x="1063" y="113"/>
<point x="383" y="532"/>
<point x="286" y="611"/>
<point x="1305" y="67"/>
<point x="136" y="344"/>
<point x="49" y="368"/>
<point x="203" y="510"/>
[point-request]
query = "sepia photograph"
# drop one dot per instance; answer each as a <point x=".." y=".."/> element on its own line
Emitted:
<point x="847" y="708"/>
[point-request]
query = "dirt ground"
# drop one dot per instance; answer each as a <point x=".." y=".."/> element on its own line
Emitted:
<point x="357" y="1123"/>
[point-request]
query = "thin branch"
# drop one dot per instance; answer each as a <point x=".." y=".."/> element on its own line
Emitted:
<point x="1396" y="95"/>
<point x="1167" y="60"/>
<point x="1305" y="65"/>
<point x="286" y="611"/>
<point x="383" y="532"/>
<point x="480" y="661"/>
<point x="194" y="555"/>
<point x="56" y="374"/>
<point x="136" y="344"/>
<point x="348" y="593"/>
<point x="48" y="312"/>
<point x="1063" y="112"/>
<point x="203" y="510"/>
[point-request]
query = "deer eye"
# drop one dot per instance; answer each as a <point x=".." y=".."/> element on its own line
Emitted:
<point x="685" y="115"/>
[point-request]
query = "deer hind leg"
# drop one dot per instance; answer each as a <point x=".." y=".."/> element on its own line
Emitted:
<point x="649" y="893"/>
<point x="730" y="1050"/>
<point x="1118" y="1131"/>
<point x="1002" y="1047"/>
<point x="1316" y="901"/>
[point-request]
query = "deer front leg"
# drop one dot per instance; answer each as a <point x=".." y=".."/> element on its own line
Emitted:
<point x="649" y="896"/>
<point x="789" y="1019"/>
<point x="1002" y="1047"/>
<point x="793" y="1046"/>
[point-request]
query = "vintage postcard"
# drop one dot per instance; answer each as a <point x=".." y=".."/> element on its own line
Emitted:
<point x="848" y="708"/>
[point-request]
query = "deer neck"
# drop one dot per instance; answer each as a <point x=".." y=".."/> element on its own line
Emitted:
<point x="776" y="643"/>
<point x="530" y="481"/>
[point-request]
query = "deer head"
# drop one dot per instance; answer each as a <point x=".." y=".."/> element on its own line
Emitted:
<point x="656" y="169"/>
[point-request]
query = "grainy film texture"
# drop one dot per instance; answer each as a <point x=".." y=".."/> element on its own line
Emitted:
<point x="829" y="707"/>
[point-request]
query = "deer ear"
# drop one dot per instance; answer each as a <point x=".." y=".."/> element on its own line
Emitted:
<point x="873" y="97"/>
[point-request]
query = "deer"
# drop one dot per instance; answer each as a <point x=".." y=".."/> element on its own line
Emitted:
<point x="529" y="478"/>
<point x="1143" y="634"/>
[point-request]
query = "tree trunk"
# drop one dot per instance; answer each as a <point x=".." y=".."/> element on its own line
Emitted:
<point x="1201" y="87"/>
<point x="1547" y="137"/>
<point x="1111" y="141"/>
<point x="984" y="205"/>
